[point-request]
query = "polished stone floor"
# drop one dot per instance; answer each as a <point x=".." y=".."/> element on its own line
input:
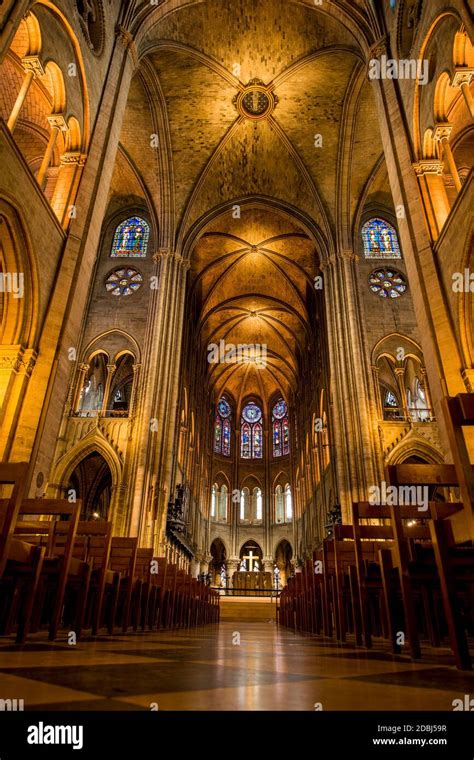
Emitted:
<point x="230" y="666"/>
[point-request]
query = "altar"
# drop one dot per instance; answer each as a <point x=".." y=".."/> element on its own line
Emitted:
<point x="257" y="579"/>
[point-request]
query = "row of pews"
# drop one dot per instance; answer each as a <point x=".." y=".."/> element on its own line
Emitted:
<point x="396" y="572"/>
<point x="57" y="571"/>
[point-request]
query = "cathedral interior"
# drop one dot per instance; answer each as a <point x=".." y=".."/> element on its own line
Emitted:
<point x="236" y="304"/>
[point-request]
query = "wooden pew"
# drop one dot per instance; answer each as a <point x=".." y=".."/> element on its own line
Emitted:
<point x="458" y="413"/>
<point x="57" y="537"/>
<point x="122" y="559"/>
<point x="13" y="475"/>
<point x="144" y="591"/>
<point x="92" y="546"/>
<point x="449" y="558"/>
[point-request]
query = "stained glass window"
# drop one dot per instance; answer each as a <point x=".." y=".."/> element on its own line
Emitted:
<point x="131" y="238"/>
<point x="251" y="432"/>
<point x="123" y="282"/>
<point x="280" y="428"/>
<point x="222" y="428"/>
<point x="245" y="444"/>
<point x="387" y="283"/>
<point x="380" y="240"/>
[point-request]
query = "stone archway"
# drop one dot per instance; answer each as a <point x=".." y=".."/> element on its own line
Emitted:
<point x="218" y="562"/>
<point x="91" y="480"/>
<point x="283" y="557"/>
<point x="251" y="556"/>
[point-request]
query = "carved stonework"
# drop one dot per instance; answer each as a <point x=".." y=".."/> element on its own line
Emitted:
<point x="91" y="19"/>
<point x="408" y="20"/>
<point x="255" y="101"/>
<point x="462" y="76"/>
<point x="57" y="120"/>
<point x="72" y="158"/>
<point x="19" y="360"/>
<point x="33" y="63"/>
<point x="428" y="166"/>
<point x="442" y="131"/>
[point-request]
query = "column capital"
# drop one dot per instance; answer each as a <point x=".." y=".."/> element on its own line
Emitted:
<point x="442" y="131"/>
<point x="83" y="367"/>
<point x="72" y="157"/>
<point x="341" y="255"/>
<point x="126" y="38"/>
<point x="462" y="75"/>
<point x="18" y="359"/>
<point x="57" y="120"/>
<point x="428" y="166"/>
<point x="379" y="48"/>
<point x="168" y="253"/>
<point x="32" y="63"/>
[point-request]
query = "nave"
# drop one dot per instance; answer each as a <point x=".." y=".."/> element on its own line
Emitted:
<point x="203" y="669"/>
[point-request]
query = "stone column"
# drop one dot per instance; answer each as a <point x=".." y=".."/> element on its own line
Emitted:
<point x="400" y="375"/>
<point x="204" y="566"/>
<point x="106" y="401"/>
<point x="158" y="413"/>
<point x="433" y="191"/>
<point x="353" y="434"/>
<point x="442" y="133"/>
<point x="58" y="124"/>
<point x="67" y="182"/>
<point x="232" y="565"/>
<point x="462" y="78"/>
<point x="33" y="68"/>
<point x="79" y="380"/>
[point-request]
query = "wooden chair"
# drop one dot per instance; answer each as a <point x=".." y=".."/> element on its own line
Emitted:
<point x="144" y="591"/>
<point x="453" y="563"/>
<point x="91" y="546"/>
<point x="57" y="536"/>
<point x="122" y="559"/>
<point x="13" y="475"/>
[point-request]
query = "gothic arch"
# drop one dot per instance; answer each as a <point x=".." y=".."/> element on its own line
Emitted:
<point x="20" y="318"/>
<point x="414" y="445"/>
<point x="99" y="344"/>
<point x="250" y="540"/>
<point x="324" y="242"/>
<point x="94" y="441"/>
<point x="223" y="540"/>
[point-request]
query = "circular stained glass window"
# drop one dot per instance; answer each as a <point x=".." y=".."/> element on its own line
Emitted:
<point x="279" y="410"/>
<point x="223" y="408"/>
<point x="252" y="413"/>
<point x="387" y="283"/>
<point x="123" y="281"/>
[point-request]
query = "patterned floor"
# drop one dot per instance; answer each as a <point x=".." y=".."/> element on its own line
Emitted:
<point x="208" y="669"/>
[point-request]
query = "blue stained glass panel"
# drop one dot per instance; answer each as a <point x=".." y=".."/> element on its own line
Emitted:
<point x="380" y="240"/>
<point x="131" y="238"/>
<point x="226" y="438"/>
<point x="257" y="441"/>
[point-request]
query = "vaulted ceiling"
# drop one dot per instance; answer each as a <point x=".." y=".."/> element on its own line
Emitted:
<point x="195" y="63"/>
<point x="253" y="278"/>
